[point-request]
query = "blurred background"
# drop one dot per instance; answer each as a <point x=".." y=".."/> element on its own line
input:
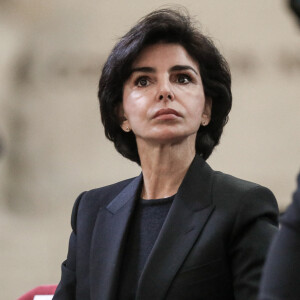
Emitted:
<point x="52" y="144"/>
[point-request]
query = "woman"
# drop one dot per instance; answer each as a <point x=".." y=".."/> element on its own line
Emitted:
<point x="179" y="230"/>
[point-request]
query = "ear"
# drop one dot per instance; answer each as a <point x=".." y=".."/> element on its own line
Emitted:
<point x="124" y="123"/>
<point x="206" y="115"/>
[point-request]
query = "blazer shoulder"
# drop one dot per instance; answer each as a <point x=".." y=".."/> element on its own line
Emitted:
<point x="250" y="204"/>
<point x="241" y="192"/>
<point x="103" y="195"/>
<point x="91" y="201"/>
<point x="238" y="186"/>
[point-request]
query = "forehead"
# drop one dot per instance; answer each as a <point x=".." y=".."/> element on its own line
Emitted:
<point x="164" y="54"/>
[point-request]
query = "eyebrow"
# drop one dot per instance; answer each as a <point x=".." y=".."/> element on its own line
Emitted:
<point x="143" y="69"/>
<point x="172" y="69"/>
<point x="183" y="68"/>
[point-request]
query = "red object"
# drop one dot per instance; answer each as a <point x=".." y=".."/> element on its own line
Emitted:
<point x="40" y="290"/>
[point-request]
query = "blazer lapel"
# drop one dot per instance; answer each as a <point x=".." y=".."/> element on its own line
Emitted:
<point x="108" y="241"/>
<point x="187" y="217"/>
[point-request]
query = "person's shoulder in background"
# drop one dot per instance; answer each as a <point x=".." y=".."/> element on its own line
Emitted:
<point x="292" y="215"/>
<point x="281" y="274"/>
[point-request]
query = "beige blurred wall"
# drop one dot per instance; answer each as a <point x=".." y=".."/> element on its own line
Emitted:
<point x="53" y="146"/>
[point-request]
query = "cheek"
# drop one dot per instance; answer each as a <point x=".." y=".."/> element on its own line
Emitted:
<point x="196" y="110"/>
<point x="136" y="102"/>
<point x="196" y="103"/>
<point x="129" y="101"/>
<point x="134" y="107"/>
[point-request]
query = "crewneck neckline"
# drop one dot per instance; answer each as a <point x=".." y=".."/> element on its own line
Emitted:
<point x="157" y="201"/>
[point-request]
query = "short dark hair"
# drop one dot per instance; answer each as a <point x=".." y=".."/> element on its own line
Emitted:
<point x="167" y="26"/>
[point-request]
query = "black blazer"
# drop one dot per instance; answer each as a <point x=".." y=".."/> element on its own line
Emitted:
<point x="212" y="244"/>
<point x="280" y="280"/>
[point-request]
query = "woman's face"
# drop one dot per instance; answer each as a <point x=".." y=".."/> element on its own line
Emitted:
<point x="163" y="99"/>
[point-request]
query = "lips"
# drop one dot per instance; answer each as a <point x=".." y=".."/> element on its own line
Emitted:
<point x="166" y="111"/>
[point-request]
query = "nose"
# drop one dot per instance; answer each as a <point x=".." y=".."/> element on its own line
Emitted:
<point x="165" y="92"/>
<point x="166" y="96"/>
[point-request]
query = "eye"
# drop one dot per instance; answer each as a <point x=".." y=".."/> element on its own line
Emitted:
<point x="142" y="81"/>
<point x="183" y="78"/>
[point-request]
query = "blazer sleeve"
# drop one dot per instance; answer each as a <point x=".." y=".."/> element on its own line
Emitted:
<point x="66" y="288"/>
<point x="281" y="275"/>
<point x="254" y="227"/>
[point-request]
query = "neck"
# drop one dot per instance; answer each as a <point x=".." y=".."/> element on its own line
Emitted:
<point x="164" y="167"/>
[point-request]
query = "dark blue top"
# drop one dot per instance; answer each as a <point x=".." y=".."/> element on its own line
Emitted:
<point x="145" y="226"/>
